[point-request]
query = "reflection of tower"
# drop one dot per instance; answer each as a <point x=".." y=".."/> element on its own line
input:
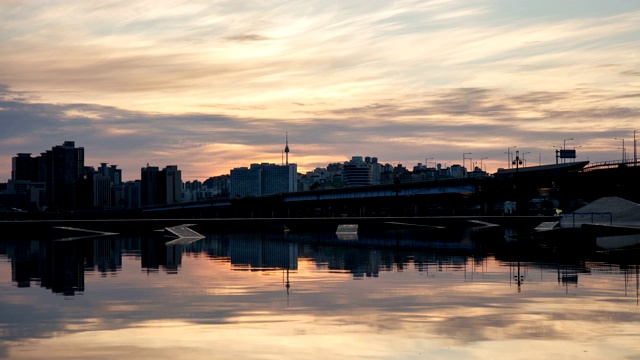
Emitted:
<point x="287" y="285"/>
<point x="286" y="149"/>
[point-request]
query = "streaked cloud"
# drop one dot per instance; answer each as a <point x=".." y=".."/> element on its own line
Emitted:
<point x="208" y="85"/>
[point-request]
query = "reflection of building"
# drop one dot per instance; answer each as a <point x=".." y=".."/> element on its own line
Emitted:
<point x="105" y="254"/>
<point x="259" y="253"/>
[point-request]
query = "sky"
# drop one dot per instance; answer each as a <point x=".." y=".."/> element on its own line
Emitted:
<point x="213" y="85"/>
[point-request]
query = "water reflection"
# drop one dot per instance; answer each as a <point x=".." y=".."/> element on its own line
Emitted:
<point x="60" y="265"/>
<point x="397" y="294"/>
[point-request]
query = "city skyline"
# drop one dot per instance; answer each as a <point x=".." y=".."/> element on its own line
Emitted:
<point x="211" y="86"/>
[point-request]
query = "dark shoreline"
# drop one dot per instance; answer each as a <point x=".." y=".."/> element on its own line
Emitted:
<point x="38" y="228"/>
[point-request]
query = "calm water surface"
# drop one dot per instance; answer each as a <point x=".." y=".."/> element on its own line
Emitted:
<point x="307" y="296"/>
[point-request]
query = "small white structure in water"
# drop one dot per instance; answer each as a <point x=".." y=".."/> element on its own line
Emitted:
<point x="184" y="234"/>
<point x="347" y="229"/>
<point x="347" y="232"/>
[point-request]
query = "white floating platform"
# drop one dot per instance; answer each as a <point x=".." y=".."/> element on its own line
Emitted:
<point x="347" y="229"/>
<point x="184" y="232"/>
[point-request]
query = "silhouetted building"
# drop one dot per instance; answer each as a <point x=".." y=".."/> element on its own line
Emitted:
<point x="131" y="191"/>
<point x="278" y="179"/>
<point x="24" y="168"/>
<point x="263" y="179"/>
<point x="64" y="168"/>
<point x="246" y="181"/>
<point x="357" y="172"/>
<point x="170" y="185"/>
<point x="149" y="186"/>
<point x="159" y="187"/>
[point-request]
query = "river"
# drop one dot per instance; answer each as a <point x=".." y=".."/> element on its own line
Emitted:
<point x="247" y="295"/>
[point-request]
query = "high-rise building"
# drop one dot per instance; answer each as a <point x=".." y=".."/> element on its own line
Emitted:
<point x="263" y="179"/>
<point x="159" y="187"/>
<point x="278" y="179"/>
<point x="24" y="167"/>
<point x="131" y="194"/>
<point x="245" y="181"/>
<point x="357" y="172"/>
<point x="171" y="185"/>
<point x="103" y="196"/>
<point x="149" y="186"/>
<point x="64" y="167"/>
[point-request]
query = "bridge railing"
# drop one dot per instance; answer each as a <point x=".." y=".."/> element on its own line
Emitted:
<point x="610" y="164"/>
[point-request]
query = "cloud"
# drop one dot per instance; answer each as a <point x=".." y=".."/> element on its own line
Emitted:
<point x="247" y="37"/>
<point x="184" y="75"/>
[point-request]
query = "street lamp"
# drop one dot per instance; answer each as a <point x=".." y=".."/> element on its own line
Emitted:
<point x="523" y="159"/>
<point x="557" y="152"/>
<point x="517" y="162"/>
<point x="564" y="146"/>
<point x="623" y="150"/>
<point x="481" y="168"/>
<point x="463" y="158"/>
<point x="426" y="162"/>
<point x="509" y="156"/>
<point x="635" y="153"/>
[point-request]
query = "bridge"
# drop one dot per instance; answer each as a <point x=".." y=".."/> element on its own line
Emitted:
<point x="601" y="165"/>
<point x="381" y="200"/>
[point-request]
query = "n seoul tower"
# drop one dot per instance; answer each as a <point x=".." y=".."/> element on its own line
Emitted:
<point x="286" y="148"/>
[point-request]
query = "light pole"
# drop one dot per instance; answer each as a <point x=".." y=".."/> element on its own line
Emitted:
<point x="564" y="146"/>
<point x="564" y="143"/>
<point x="517" y="162"/>
<point x="577" y="147"/>
<point x="523" y="159"/>
<point x="481" y="168"/>
<point x="557" y="152"/>
<point x="623" y="151"/>
<point x="463" y="158"/>
<point x="635" y="153"/>
<point x="426" y="162"/>
<point x="509" y="156"/>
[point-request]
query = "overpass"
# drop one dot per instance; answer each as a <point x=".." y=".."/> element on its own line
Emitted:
<point x="380" y="200"/>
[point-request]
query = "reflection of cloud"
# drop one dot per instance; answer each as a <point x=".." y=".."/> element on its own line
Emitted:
<point x="460" y="314"/>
